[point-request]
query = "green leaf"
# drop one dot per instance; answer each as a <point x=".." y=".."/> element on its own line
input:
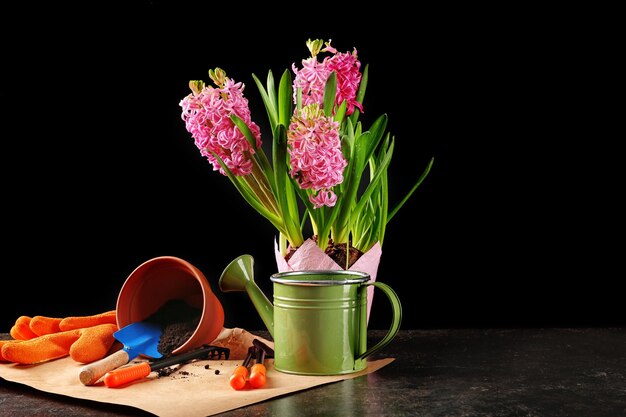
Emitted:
<point x="360" y="95"/>
<point x="249" y="195"/>
<point x="350" y="186"/>
<point x="381" y="226"/>
<point x="330" y="92"/>
<point x="375" y="210"/>
<point x="285" y="99"/>
<point x="382" y="168"/>
<point x="366" y="226"/>
<point x="347" y="149"/>
<point x="269" y="98"/>
<point x="259" y="154"/>
<point x="243" y="127"/>
<point x="377" y="131"/>
<point x="361" y="152"/>
<point x="347" y="141"/>
<point x="285" y="192"/>
<point x="417" y="184"/>
<point x="316" y="216"/>
<point x="327" y="226"/>
<point x="341" y="112"/>
<point x="271" y="89"/>
<point x="358" y="130"/>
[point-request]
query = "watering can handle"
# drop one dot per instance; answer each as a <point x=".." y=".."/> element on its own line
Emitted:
<point x="396" y="319"/>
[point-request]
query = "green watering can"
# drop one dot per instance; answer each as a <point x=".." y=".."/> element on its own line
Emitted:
<point x="319" y="317"/>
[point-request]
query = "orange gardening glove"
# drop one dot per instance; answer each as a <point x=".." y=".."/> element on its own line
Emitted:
<point x="6" y="342"/>
<point x="83" y="345"/>
<point x="26" y="327"/>
<point x="21" y="329"/>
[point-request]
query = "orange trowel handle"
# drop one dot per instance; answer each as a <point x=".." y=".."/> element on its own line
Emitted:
<point x="127" y="374"/>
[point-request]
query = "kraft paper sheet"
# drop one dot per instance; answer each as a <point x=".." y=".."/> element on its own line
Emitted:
<point x="191" y="391"/>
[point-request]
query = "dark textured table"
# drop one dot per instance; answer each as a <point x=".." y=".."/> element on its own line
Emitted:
<point x="457" y="372"/>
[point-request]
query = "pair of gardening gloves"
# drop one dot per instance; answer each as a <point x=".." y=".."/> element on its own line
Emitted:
<point x="39" y="339"/>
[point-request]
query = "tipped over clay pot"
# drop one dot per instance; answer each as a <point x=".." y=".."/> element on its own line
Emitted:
<point x="165" y="278"/>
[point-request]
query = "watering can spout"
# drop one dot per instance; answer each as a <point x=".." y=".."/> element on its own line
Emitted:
<point x="239" y="276"/>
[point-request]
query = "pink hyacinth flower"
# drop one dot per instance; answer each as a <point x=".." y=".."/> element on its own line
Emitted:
<point x="346" y="66"/>
<point x="314" y="74"/>
<point x="323" y="198"/>
<point x="312" y="79"/>
<point x="207" y="117"/>
<point x="316" y="160"/>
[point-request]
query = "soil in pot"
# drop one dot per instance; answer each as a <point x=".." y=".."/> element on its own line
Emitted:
<point x="178" y="321"/>
<point x="337" y="252"/>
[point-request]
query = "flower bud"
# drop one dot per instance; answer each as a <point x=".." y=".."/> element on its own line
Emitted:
<point x="218" y="76"/>
<point x="196" y="86"/>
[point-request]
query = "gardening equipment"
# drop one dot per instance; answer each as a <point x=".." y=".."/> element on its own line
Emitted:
<point x="261" y="347"/>
<point x="148" y="288"/>
<point x="238" y="379"/>
<point x="257" y="352"/>
<point x="141" y="338"/>
<point x="258" y="371"/>
<point x="159" y="280"/>
<point x="128" y="374"/>
<point x="319" y="317"/>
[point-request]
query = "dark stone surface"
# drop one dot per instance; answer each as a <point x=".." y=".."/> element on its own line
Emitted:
<point x="437" y="373"/>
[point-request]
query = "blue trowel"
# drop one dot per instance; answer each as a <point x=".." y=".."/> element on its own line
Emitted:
<point x="141" y="338"/>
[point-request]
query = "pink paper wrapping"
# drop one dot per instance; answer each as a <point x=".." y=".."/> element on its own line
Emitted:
<point x="310" y="257"/>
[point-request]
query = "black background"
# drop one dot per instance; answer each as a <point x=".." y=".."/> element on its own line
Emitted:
<point x="515" y="226"/>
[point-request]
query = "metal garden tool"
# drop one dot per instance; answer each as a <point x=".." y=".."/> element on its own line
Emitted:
<point x="258" y="371"/>
<point x="141" y="338"/>
<point x="255" y="376"/>
<point x="128" y="374"/>
<point x="238" y="379"/>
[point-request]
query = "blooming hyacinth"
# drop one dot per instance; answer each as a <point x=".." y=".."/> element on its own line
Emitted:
<point x="207" y="111"/>
<point x="314" y="74"/>
<point x="324" y="160"/>
<point x="316" y="159"/>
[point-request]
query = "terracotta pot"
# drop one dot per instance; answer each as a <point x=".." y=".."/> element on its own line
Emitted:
<point x="166" y="278"/>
